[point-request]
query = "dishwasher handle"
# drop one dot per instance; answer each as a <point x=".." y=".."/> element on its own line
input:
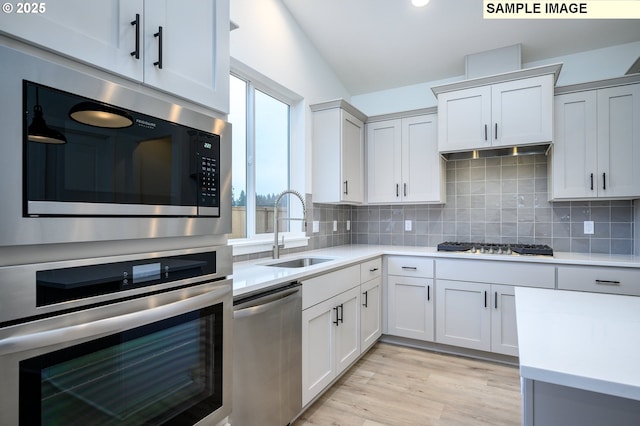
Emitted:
<point x="263" y="304"/>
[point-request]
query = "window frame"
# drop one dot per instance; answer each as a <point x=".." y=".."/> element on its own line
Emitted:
<point x="255" y="243"/>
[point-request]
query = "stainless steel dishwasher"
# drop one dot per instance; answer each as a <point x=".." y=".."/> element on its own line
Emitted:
<point x="267" y="357"/>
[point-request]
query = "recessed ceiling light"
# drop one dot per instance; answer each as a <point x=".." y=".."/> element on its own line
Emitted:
<point x="419" y="3"/>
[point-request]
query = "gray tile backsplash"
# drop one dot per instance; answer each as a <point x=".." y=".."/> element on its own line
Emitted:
<point x="488" y="200"/>
<point x="500" y="200"/>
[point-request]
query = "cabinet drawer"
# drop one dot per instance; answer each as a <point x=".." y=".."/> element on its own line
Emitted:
<point x="323" y="287"/>
<point x="410" y="266"/>
<point x="497" y="272"/>
<point x="599" y="279"/>
<point x="370" y="270"/>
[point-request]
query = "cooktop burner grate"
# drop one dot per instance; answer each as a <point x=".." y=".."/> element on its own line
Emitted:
<point x="493" y="248"/>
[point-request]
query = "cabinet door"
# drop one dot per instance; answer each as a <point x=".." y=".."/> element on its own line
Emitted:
<point x="422" y="167"/>
<point x="347" y="344"/>
<point x="619" y="141"/>
<point x="504" y="333"/>
<point x="99" y="33"/>
<point x="318" y="360"/>
<point x="384" y="161"/>
<point x="574" y="161"/>
<point x="522" y="111"/>
<point x="352" y="159"/>
<point x="370" y="313"/>
<point x="410" y="304"/>
<point x="463" y="316"/>
<point x="464" y="119"/>
<point x="195" y="50"/>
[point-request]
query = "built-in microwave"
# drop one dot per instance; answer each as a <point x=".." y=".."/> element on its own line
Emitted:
<point x="88" y="156"/>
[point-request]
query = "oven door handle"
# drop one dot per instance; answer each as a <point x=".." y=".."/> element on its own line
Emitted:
<point x="106" y="326"/>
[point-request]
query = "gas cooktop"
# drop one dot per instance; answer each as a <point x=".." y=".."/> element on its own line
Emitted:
<point x="492" y="248"/>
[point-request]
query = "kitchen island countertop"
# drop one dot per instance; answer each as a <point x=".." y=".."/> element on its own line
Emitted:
<point x="582" y="340"/>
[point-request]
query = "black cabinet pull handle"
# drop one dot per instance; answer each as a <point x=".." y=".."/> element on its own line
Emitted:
<point x="373" y="269"/>
<point x="366" y="299"/>
<point x="607" y="282"/>
<point x="604" y="181"/>
<point x="405" y="189"/>
<point x="136" y="23"/>
<point x="485" y="299"/>
<point x="397" y="190"/>
<point x="337" y="321"/>
<point x="158" y="63"/>
<point x="410" y="268"/>
<point x="485" y="132"/>
<point x="496" y="132"/>
<point x="496" y="302"/>
<point x="428" y="293"/>
<point x="341" y="313"/>
<point x="346" y="187"/>
<point x="592" y="181"/>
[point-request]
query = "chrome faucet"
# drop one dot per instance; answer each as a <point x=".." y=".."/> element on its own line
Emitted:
<point x="276" y="246"/>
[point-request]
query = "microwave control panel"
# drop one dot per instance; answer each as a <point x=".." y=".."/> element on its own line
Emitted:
<point x="208" y="157"/>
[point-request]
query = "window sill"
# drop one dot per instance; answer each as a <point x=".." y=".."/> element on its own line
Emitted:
<point x="258" y="245"/>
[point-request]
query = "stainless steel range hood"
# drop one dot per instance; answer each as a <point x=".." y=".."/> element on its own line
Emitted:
<point x="512" y="151"/>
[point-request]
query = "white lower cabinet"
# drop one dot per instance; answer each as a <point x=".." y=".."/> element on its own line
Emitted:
<point x="341" y="319"/>
<point x="370" y="313"/>
<point x="411" y="307"/>
<point x="476" y="302"/>
<point x="410" y="297"/>
<point x="599" y="279"/>
<point x="504" y="333"/>
<point x="463" y="317"/>
<point x="330" y="341"/>
<point x="477" y="316"/>
<point x="347" y="328"/>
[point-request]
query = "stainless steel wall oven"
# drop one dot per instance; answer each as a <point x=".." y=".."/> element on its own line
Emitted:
<point x="158" y="169"/>
<point x="132" y="339"/>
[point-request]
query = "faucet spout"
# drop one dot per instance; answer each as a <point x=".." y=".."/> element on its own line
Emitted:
<point x="276" y="245"/>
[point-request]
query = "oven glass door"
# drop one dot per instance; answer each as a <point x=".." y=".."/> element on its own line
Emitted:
<point x="166" y="372"/>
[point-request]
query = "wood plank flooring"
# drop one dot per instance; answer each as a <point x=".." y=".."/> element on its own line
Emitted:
<point x="394" y="385"/>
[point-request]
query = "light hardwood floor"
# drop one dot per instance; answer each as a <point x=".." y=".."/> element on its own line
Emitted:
<point x="394" y="385"/>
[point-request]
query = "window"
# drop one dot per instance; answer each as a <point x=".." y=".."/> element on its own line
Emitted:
<point x="261" y="158"/>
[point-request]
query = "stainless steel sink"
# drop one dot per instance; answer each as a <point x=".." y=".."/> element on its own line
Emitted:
<point x="301" y="262"/>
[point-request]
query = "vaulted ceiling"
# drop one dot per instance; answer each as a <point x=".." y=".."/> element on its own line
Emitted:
<point x="380" y="44"/>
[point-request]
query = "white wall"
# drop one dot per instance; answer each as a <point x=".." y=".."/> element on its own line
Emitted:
<point x="594" y="65"/>
<point x="270" y="41"/>
<point x="577" y="68"/>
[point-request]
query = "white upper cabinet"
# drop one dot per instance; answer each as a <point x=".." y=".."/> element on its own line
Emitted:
<point x="384" y="161"/>
<point x="403" y="163"/>
<point x="489" y="113"/>
<point x="99" y="33"/>
<point x="123" y="37"/>
<point x="194" y="50"/>
<point x="596" y="151"/>
<point x="522" y="111"/>
<point x="338" y="153"/>
<point x="464" y="119"/>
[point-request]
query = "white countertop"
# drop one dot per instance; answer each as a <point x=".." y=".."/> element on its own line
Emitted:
<point x="583" y="340"/>
<point x="252" y="276"/>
